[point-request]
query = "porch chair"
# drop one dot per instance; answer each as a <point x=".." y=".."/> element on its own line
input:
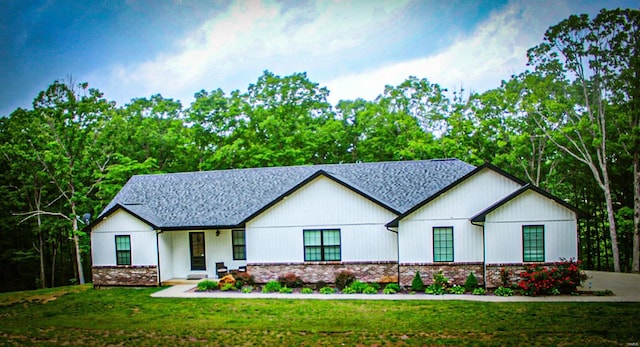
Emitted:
<point x="221" y="269"/>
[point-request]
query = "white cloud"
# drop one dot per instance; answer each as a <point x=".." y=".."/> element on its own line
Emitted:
<point x="478" y="62"/>
<point x="231" y="50"/>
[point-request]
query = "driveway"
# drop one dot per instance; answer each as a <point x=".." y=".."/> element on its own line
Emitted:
<point x="626" y="288"/>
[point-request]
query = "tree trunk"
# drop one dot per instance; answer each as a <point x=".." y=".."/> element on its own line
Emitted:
<point x="635" y="265"/>
<point x="615" y="253"/>
<point x="76" y="243"/>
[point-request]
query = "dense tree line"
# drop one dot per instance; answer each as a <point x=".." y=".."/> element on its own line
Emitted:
<point x="569" y="125"/>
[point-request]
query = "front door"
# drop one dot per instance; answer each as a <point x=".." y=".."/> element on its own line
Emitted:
<point x="196" y="242"/>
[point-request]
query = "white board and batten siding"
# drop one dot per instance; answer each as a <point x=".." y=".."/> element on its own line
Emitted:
<point x="453" y="209"/>
<point x="503" y="229"/>
<point x="142" y="237"/>
<point x="276" y="235"/>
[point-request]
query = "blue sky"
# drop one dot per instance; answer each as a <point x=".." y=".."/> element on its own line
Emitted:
<point x="137" y="48"/>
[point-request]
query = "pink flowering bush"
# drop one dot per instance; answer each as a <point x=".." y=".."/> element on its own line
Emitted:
<point x="561" y="278"/>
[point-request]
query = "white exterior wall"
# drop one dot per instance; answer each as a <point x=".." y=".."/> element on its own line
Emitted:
<point x="217" y="249"/>
<point x="276" y="235"/>
<point x="503" y="229"/>
<point x="454" y="208"/>
<point x="142" y="235"/>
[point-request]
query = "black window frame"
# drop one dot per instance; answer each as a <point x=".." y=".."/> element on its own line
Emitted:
<point x="239" y="247"/>
<point x="539" y="242"/>
<point x="122" y="254"/>
<point x="437" y="249"/>
<point x="324" y="249"/>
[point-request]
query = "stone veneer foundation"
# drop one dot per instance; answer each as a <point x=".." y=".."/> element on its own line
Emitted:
<point x="125" y="275"/>
<point x="456" y="272"/>
<point x="381" y="272"/>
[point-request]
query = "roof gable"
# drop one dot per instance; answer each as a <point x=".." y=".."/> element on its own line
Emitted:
<point x="486" y="166"/>
<point x="481" y="216"/>
<point x="229" y="198"/>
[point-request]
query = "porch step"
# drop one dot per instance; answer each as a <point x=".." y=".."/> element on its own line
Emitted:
<point x="196" y="276"/>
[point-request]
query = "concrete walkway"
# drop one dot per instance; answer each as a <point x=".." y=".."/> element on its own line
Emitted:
<point x="626" y="288"/>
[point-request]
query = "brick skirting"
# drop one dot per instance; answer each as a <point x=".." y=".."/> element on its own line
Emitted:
<point x="124" y="275"/>
<point x="381" y="272"/>
<point x="456" y="272"/>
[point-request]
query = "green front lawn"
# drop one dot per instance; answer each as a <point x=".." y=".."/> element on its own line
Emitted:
<point x="83" y="316"/>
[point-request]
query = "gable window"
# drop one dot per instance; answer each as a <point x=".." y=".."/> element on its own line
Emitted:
<point x="533" y="243"/>
<point x="123" y="250"/>
<point x="239" y="245"/>
<point x="442" y="244"/>
<point x="322" y="245"/>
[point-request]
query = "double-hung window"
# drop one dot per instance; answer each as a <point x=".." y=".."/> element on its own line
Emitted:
<point x="322" y="245"/>
<point x="123" y="250"/>
<point x="533" y="243"/>
<point x="239" y="245"/>
<point x="442" y="244"/>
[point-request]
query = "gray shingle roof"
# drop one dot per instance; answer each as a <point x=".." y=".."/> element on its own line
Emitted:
<point x="227" y="198"/>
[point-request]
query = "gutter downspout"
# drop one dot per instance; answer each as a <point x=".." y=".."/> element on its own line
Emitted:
<point x="484" y="254"/>
<point x="397" y="249"/>
<point x="158" y="232"/>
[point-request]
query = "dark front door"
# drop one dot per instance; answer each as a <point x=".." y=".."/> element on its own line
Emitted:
<point x="196" y="242"/>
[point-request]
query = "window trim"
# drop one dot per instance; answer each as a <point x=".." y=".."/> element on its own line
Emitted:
<point x="542" y="240"/>
<point x="433" y="238"/>
<point x="243" y="245"/>
<point x="121" y="251"/>
<point x="322" y="245"/>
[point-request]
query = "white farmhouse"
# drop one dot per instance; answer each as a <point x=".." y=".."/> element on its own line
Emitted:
<point x="383" y="221"/>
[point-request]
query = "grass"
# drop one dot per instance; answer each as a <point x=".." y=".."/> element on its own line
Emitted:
<point x="83" y="316"/>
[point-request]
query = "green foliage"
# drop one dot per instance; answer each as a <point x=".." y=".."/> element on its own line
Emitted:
<point x="247" y="289"/>
<point x="435" y="289"/>
<point x="417" y="284"/>
<point x="357" y="286"/>
<point x="244" y="279"/>
<point x="327" y="290"/>
<point x="370" y="290"/>
<point x="503" y="291"/>
<point x="344" y="279"/>
<point x="349" y="290"/>
<point x="207" y="285"/>
<point x="456" y="289"/>
<point x="227" y="286"/>
<point x="271" y="287"/>
<point x="471" y="283"/>
<point x="306" y="291"/>
<point x="375" y="285"/>
<point x="391" y="288"/>
<point x="479" y="291"/>
<point x="440" y="284"/>
<point x="291" y="280"/>
<point x="285" y="290"/>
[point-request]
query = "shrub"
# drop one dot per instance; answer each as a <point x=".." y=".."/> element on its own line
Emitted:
<point x="207" y="285"/>
<point x="503" y="291"/>
<point x="244" y="279"/>
<point x="285" y="290"/>
<point x="456" y="290"/>
<point x="471" y="283"/>
<point x="344" y="279"/>
<point x="417" y="283"/>
<point x="320" y="284"/>
<point x="326" y="290"/>
<point x="505" y="277"/>
<point x="348" y="290"/>
<point x="247" y="289"/>
<point x="358" y="286"/>
<point x="227" y="286"/>
<point x="306" y="291"/>
<point x="563" y="277"/>
<point x="391" y="288"/>
<point x="434" y="289"/>
<point x="479" y="291"/>
<point x="271" y="287"/>
<point x="375" y="285"/>
<point x="370" y="290"/>
<point x="291" y="280"/>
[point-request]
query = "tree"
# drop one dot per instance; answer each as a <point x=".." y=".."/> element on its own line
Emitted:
<point x="71" y="115"/>
<point x="589" y="52"/>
